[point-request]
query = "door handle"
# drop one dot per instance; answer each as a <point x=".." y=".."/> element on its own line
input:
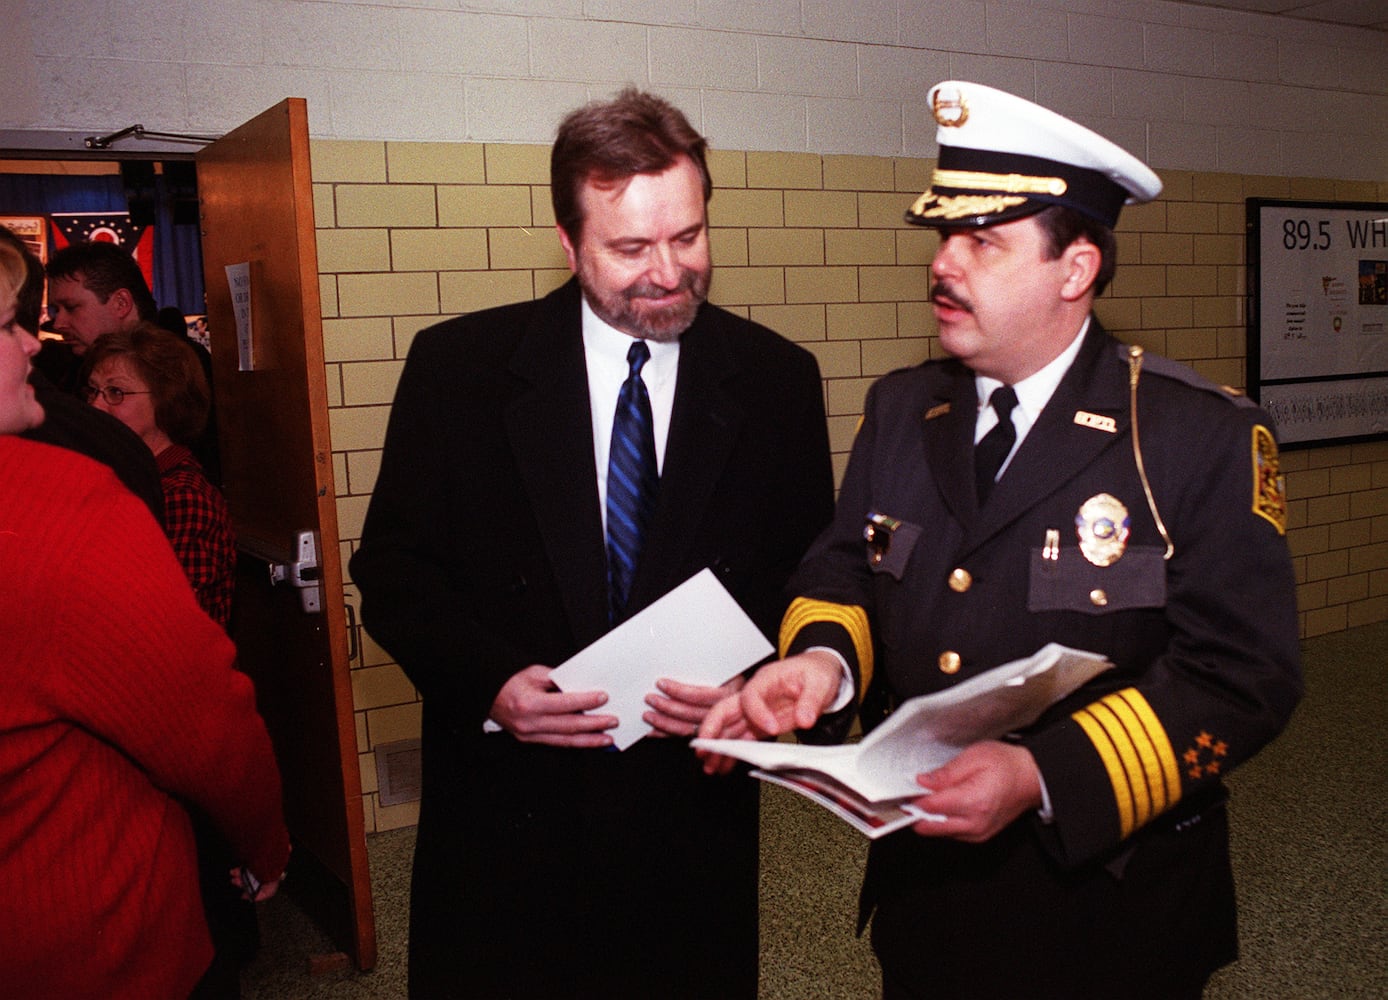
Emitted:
<point x="303" y="572"/>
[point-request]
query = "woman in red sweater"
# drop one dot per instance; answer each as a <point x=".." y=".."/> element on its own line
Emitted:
<point x="117" y="699"/>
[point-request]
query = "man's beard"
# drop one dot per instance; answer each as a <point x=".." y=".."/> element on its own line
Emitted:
<point x="623" y="310"/>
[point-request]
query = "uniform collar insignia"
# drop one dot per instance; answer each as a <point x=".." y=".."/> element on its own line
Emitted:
<point x="1099" y="423"/>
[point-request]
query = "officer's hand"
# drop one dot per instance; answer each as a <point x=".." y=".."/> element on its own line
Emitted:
<point x="781" y="696"/>
<point x="979" y="792"/>
<point x="533" y="710"/>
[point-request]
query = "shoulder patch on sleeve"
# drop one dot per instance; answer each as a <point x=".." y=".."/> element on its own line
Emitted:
<point x="1269" y="487"/>
<point x="1165" y="367"/>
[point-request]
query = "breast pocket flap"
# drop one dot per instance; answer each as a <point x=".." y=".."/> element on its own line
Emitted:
<point x="890" y="542"/>
<point x="1066" y="581"/>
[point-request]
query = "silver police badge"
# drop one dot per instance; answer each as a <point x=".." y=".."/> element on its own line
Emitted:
<point x="1102" y="525"/>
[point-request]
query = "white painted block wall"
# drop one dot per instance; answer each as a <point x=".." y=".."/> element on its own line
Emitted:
<point x="1185" y="86"/>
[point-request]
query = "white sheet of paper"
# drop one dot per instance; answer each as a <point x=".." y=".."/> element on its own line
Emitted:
<point x="695" y="634"/>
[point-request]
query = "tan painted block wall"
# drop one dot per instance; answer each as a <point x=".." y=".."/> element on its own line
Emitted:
<point x="812" y="246"/>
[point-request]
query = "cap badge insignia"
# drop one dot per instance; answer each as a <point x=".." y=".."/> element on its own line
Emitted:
<point x="1102" y="525"/>
<point x="950" y="111"/>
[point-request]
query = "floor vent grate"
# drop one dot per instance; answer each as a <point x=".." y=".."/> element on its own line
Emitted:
<point x="398" y="772"/>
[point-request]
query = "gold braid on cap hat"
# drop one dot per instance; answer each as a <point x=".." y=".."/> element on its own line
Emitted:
<point x="963" y="205"/>
<point x="975" y="180"/>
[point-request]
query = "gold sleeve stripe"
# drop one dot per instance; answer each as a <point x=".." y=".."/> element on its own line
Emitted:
<point x="1109" y="756"/>
<point x="1134" y="781"/>
<point x="1136" y="754"/>
<point x="1157" y="751"/>
<point x="805" y="611"/>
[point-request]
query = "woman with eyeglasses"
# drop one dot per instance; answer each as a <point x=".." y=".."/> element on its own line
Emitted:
<point x="151" y="381"/>
<point x="119" y="703"/>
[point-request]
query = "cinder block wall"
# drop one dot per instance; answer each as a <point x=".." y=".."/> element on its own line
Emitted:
<point x="812" y="246"/>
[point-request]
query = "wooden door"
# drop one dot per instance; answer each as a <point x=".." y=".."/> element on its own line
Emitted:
<point x="272" y="408"/>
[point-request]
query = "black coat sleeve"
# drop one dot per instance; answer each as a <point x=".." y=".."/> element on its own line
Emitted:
<point x="415" y="600"/>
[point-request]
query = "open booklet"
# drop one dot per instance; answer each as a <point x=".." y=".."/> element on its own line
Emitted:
<point x="870" y="783"/>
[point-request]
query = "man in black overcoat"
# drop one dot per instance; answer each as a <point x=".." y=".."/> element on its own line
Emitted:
<point x="1048" y="484"/>
<point x="549" y="865"/>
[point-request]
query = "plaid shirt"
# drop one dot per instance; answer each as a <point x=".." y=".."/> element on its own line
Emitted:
<point x="198" y="525"/>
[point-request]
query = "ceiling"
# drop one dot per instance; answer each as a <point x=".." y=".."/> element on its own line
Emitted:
<point x="1372" y="14"/>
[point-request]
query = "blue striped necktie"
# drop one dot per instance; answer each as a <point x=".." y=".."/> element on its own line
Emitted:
<point x="632" y="481"/>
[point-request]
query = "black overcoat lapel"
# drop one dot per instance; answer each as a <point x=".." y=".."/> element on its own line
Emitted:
<point x="550" y="426"/>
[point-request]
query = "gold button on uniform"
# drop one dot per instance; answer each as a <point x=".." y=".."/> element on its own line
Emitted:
<point x="960" y="580"/>
<point x="1098" y="598"/>
<point x="949" y="662"/>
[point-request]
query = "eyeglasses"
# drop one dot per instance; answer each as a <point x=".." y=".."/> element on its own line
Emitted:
<point x="114" y="395"/>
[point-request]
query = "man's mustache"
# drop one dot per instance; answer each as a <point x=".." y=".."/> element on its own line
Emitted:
<point x="944" y="294"/>
<point x="688" y="282"/>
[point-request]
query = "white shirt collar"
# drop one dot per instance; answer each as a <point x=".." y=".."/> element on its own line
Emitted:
<point x="608" y="346"/>
<point x="1034" y="391"/>
<point x="605" y="356"/>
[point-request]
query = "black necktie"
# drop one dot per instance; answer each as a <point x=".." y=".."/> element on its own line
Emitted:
<point x="992" y="451"/>
<point x="632" y="481"/>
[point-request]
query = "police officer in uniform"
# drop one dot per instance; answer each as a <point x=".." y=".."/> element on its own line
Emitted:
<point x="1047" y="483"/>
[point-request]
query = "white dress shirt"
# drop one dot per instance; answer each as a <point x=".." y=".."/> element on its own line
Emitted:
<point x="1033" y="393"/>
<point x="605" y="353"/>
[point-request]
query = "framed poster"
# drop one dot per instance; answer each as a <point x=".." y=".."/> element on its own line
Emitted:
<point x="32" y="229"/>
<point x="1318" y="318"/>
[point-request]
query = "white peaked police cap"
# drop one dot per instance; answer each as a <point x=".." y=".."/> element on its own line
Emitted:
<point x="1003" y="157"/>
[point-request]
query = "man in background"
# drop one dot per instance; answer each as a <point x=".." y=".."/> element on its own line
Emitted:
<point x="1049" y="484"/>
<point x="551" y="467"/>
<point x="70" y="423"/>
<point x="98" y="288"/>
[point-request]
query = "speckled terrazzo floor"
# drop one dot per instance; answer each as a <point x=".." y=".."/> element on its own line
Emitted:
<point x="1310" y="853"/>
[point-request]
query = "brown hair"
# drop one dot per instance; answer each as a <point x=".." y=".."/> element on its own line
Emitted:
<point x="104" y="269"/>
<point x="1062" y="226"/>
<point x="611" y="141"/>
<point x="169" y="366"/>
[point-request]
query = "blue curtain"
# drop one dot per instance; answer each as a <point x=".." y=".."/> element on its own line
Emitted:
<point x="177" y="242"/>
